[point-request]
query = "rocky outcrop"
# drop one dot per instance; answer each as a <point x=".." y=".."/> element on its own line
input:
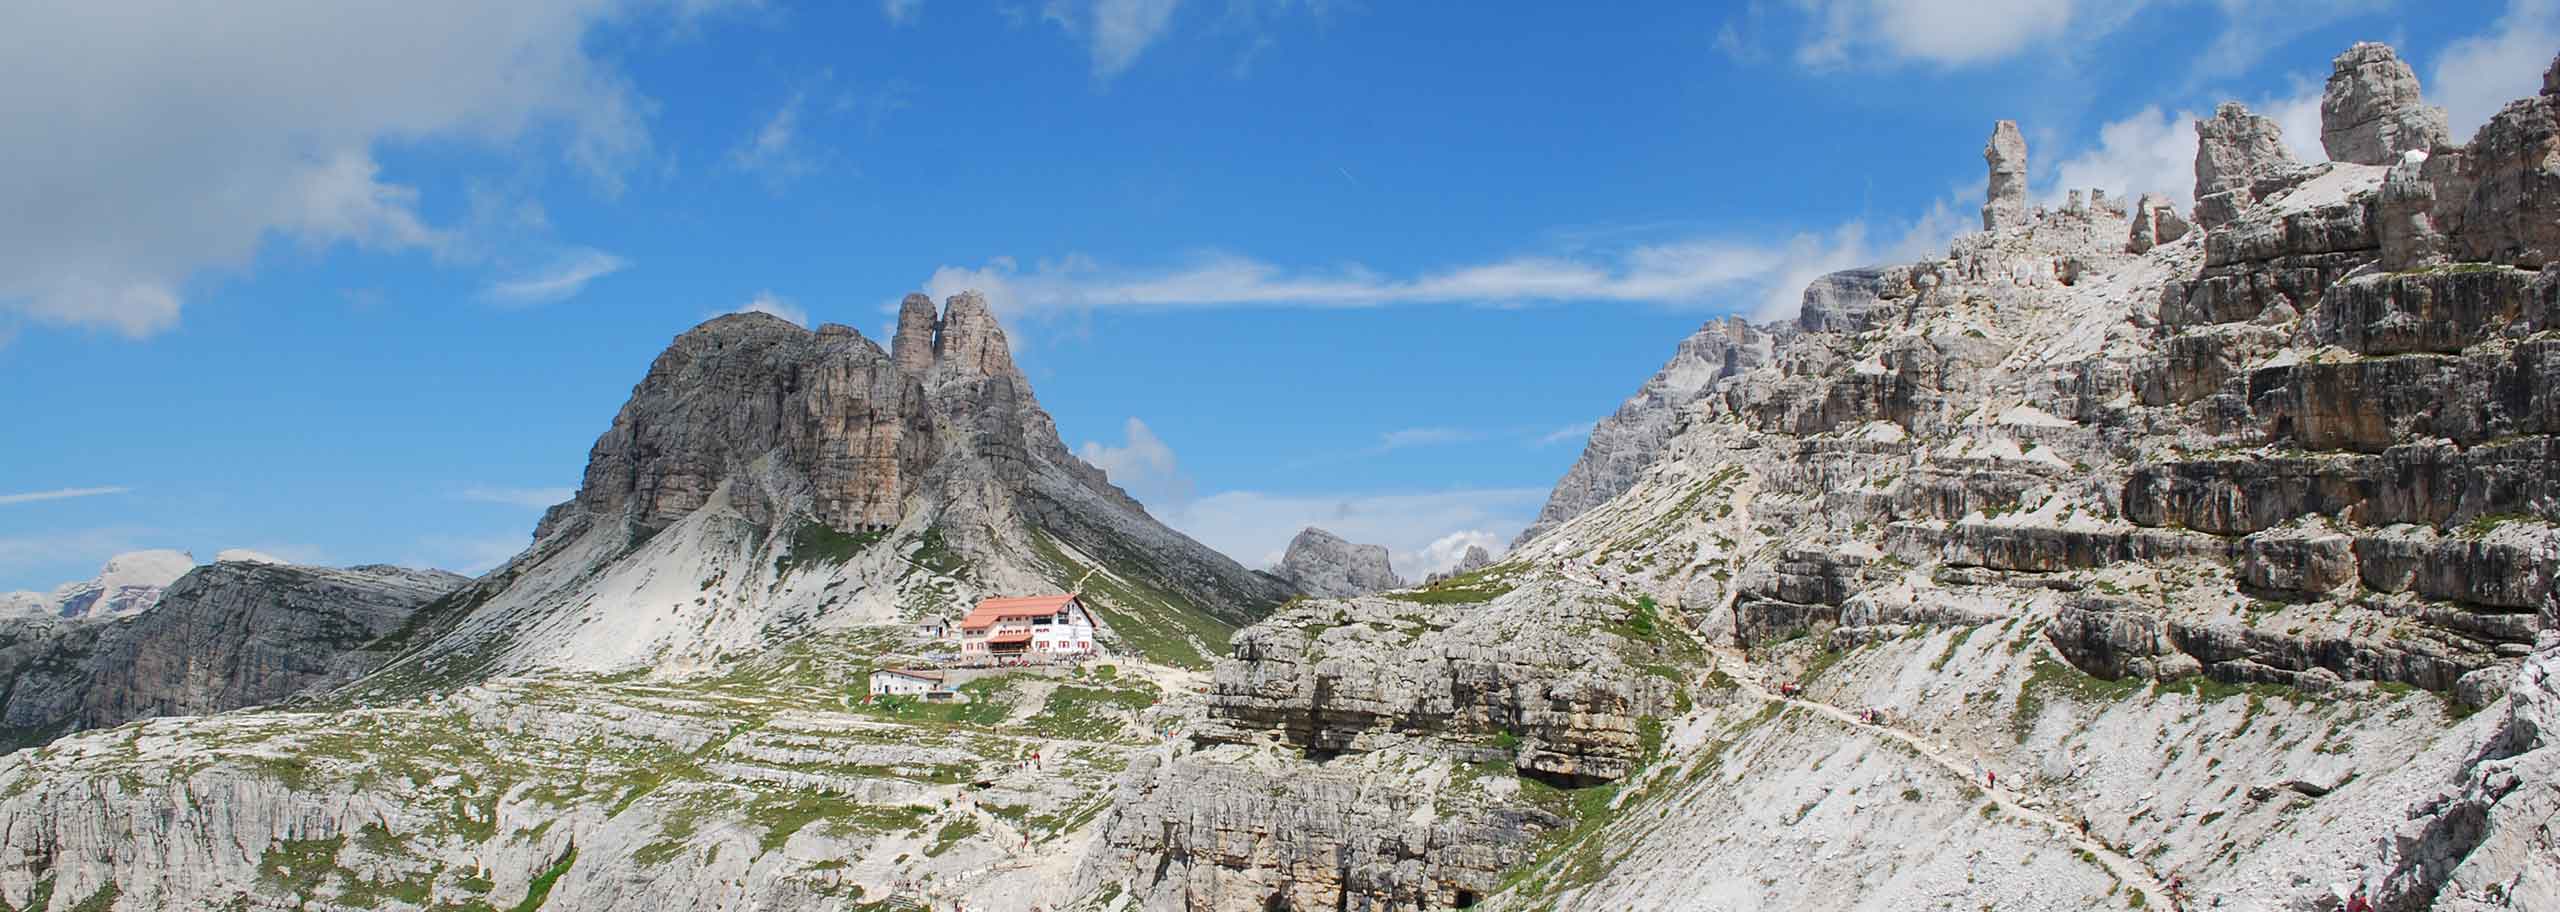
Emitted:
<point x="2371" y="112"/>
<point x="2235" y="149"/>
<point x="2484" y="842"/>
<point x="1627" y="441"/>
<point x="1476" y="558"/>
<point x="224" y="636"/>
<point x="1380" y="752"/>
<point x="2155" y="222"/>
<point x="1320" y="563"/>
<point x="2006" y="154"/>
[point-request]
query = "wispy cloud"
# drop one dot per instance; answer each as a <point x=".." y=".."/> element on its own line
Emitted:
<point x="1941" y="32"/>
<point x="1567" y="434"/>
<point x="1763" y="278"/>
<point x="60" y="494"/>
<point x="2476" y="76"/>
<point x="775" y="151"/>
<point x="564" y="279"/>
<point x="1425" y="531"/>
<point x="1254" y="527"/>
<point x="1142" y="465"/>
<point x="516" y="497"/>
<point x="2154" y="150"/>
<point x="766" y="302"/>
<point x="1404" y="438"/>
<point x="1115" y="31"/>
<point x="901" y="12"/>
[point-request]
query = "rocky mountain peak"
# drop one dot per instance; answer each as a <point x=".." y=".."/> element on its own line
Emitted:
<point x="2371" y="112"/>
<point x="763" y="476"/>
<point x="1320" y="563"/>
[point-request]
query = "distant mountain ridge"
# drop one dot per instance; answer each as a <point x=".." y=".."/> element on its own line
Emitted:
<point x="129" y="582"/>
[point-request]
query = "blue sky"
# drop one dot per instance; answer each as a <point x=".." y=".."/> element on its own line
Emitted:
<point x="355" y="282"/>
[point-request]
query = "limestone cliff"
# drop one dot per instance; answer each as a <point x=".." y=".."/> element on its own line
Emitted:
<point x="2140" y="563"/>
<point x="224" y="636"/>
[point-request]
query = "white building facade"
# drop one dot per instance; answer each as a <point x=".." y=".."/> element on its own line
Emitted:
<point x="1047" y="626"/>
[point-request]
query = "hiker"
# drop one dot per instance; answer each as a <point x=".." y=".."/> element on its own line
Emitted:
<point x="2358" y="903"/>
<point x="1991" y="778"/>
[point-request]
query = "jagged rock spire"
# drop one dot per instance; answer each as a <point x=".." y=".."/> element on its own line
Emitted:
<point x="2233" y="148"/>
<point x="2006" y="153"/>
<point x="2371" y="112"/>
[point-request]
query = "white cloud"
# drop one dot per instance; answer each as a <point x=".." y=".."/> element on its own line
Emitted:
<point x="774" y="152"/>
<point x="1116" y="31"/>
<point x="901" y="12"/>
<point x="2476" y="76"/>
<point x="59" y="494"/>
<point x="517" y="497"/>
<point x="2154" y="151"/>
<point x="1446" y="551"/>
<point x="562" y="280"/>
<point x="1570" y="433"/>
<point x="1254" y="527"/>
<point x="1142" y="465"/>
<point x="1424" y="436"/>
<point x="1944" y="32"/>
<point x="1764" y="278"/>
<point x="154" y="141"/>
<point x="305" y="555"/>
<point x="2251" y="28"/>
<point x="766" y="302"/>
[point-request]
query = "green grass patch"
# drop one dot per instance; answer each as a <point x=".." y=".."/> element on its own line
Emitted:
<point x="539" y="891"/>
<point x="815" y="544"/>
<point x="2048" y="680"/>
<point x="1478" y="587"/>
<point x="950" y="835"/>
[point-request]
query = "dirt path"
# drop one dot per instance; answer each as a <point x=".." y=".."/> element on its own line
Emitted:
<point x="2124" y="867"/>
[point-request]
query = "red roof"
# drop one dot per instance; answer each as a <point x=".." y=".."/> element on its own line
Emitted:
<point x="918" y="674"/>
<point x="992" y="610"/>
<point x="1008" y="639"/>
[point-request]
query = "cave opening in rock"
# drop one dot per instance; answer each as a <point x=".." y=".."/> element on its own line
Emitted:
<point x="1466" y="899"/>
<point x="1279" y="902"/>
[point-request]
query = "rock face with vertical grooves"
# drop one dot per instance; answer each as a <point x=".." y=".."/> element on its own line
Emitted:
<point x="1320" y="563"/>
